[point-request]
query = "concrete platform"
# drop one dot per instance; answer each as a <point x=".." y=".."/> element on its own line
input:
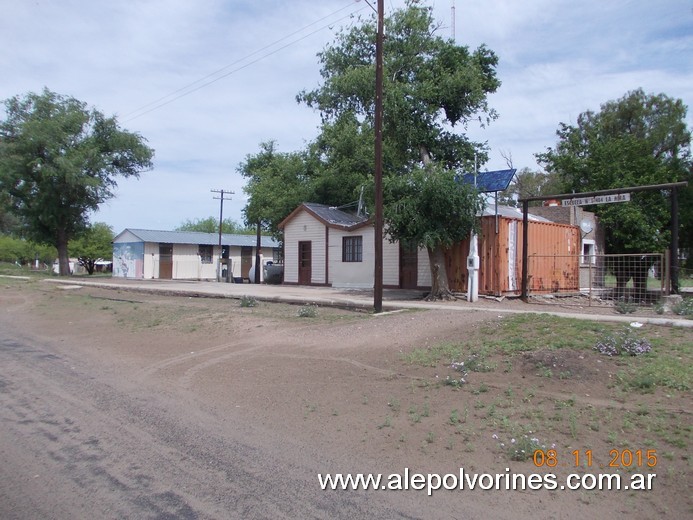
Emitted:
<point x="393" y="299"/>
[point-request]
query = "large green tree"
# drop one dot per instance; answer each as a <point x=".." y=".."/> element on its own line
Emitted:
<point x="639" y="139"/>
<point x="430" y="208"/>
<point x="276" y="184"/>
<point x="94" y="243"/>
<point x="59" y="160"/>
<point x="431" y="85"/>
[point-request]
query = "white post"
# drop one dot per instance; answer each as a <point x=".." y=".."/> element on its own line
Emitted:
<point x="473" y="269"/>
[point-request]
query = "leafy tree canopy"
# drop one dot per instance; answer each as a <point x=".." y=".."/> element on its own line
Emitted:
<point x="276" y="184"/>
<point x="430" y="85"/>
<point x="430" y="207"/>
<point x="640" y="139"/>
<point x="91" y="245"/>
<point x="59" y="160"/>
<point x="21" y="251"/>
<point x="211" y="225"/>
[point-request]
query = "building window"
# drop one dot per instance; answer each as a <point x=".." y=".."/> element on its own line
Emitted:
<point x="588" y="253"/>
<point x="352" y="249"/>
<point x="206" y="253"/>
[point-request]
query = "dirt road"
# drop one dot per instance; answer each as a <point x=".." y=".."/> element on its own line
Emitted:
<point x="127" y="405"/>
<point x="93" y="426"/>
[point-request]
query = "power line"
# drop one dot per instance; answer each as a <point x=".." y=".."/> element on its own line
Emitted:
<point x="201" y="83"/>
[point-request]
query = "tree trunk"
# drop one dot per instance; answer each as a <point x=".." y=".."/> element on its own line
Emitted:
<point x="88" y="263"/>
<point x="440" y="289"/>
<point x="63" y="256"/>
<point x="425" y="156"/>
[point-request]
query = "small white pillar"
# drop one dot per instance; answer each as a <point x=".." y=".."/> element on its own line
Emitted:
<point x="473" y="269"/>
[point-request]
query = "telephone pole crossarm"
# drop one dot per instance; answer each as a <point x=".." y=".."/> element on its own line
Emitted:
<point x="221" y="198"/>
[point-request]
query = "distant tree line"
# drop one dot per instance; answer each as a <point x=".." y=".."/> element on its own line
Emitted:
<point x="211" y="225"/>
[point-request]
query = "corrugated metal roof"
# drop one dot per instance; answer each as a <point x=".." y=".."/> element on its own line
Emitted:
<point x="335" y="216"/>
<point x="194" y="237"/>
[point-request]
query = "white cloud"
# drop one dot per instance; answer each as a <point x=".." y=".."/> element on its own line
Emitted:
<point x="558" y="58"/>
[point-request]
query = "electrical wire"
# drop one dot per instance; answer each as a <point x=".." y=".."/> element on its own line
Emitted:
<point x="214" y="76"/>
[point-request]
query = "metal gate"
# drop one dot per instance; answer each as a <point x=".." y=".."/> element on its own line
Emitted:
<point x="639" y="279"/>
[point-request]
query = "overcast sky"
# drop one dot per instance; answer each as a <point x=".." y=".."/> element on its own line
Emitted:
<point x="136" y="60"/>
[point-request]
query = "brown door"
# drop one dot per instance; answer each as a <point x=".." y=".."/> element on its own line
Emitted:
<point x="246" y="261"/>
<point x="166" y="261"/>
<point x="408" y="266"/>
<point x="304" y="263"/>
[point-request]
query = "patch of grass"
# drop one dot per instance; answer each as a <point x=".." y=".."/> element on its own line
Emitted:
<point x="478" y="362"/>
<point x="625" y="307"/>
<point x="432" y="356"/>
<point x="308" y="311"/>
<point x="387" y="423"/>
<point x="394" y="405"/>
<point x="454" y="417"/>
<point x="417" y="413"/>
<point x="248" y="301"/>
<point x="684" y="308"/>
<point x="657" y="370"/>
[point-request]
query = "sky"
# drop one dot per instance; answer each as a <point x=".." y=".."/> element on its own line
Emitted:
<point x="206" y="82"/>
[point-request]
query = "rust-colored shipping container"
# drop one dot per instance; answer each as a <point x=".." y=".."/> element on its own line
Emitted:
<point x="554" y="258"/>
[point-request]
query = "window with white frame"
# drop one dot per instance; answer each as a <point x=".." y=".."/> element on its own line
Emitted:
<point x="588" y="252"/>
<point x="352" y="249"/>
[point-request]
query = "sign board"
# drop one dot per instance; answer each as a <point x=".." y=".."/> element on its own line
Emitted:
<point x="599" y="199"/>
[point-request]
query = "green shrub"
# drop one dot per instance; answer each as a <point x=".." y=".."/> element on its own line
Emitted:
<point x="248" y="301"/>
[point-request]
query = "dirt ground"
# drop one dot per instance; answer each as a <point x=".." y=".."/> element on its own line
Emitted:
<point x="338" y="392"/>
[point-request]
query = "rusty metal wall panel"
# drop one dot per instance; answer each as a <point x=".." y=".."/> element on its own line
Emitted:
<point x="554" y="257"/>
<point x="500" y="257"/>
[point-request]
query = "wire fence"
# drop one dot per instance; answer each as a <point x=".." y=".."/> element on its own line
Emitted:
<point x="598" y="279"/>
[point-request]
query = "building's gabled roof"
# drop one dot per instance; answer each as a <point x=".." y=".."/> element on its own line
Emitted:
<point x="330" y="216"/>
<point x="195" y="237"/>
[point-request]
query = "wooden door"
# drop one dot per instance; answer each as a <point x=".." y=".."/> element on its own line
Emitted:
<point x="166" y="261"/>
<point x="304" y="263"/>
<point x="246" y="261"/>
<point x="408" y="266"/>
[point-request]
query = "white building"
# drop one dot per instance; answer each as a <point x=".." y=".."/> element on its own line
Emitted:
<point x="326" y="246"/>
<point x="185" y="255"/>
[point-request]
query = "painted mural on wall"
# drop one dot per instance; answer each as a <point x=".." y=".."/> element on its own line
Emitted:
<point x="128" y="260"/>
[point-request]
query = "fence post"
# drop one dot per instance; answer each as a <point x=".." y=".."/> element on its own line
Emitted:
<point x="525" y="253"/>
<point x="589" y="280"/>
<point x="674" y="259"/>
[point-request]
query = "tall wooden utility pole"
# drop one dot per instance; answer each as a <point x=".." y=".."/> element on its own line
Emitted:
<point x="221" y="219"/>
<point x="378" y="274"/>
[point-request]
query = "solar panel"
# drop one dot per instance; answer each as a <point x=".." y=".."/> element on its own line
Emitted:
<point x="487" y="182"/>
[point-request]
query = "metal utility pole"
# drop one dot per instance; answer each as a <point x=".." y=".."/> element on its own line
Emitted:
<point x="221" y="219"/>
<point x="378" y="274"/>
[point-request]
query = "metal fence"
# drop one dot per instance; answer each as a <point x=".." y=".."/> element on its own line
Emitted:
<point x="598" y="279"/>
